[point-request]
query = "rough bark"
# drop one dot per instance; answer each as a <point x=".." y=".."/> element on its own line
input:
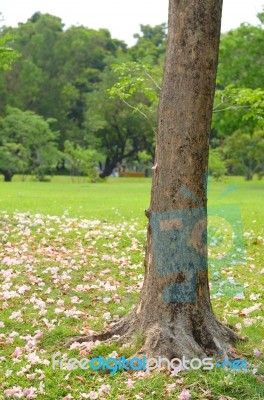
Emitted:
<point x="173" y="326"/>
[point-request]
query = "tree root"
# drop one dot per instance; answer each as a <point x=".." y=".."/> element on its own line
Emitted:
<point x="119" y="329"/>
<point x="172" y="340"/>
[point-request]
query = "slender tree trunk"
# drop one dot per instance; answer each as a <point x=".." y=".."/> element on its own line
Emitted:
<point x="174" y="312"/>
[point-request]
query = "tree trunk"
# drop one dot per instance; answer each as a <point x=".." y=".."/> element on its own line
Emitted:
<point x="249" y="175"/>
<point x="7" y="176"/>
<point x="110" y="164"/>
<point x="174" y="312"/>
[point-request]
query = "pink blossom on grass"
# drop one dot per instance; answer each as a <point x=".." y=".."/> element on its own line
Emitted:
<point x="185" y="395"/>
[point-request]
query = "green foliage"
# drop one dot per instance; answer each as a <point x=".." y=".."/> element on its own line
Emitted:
<point x="27" y="144"/>
<point x="56" y="71"/>
<point x="136" y="77"/>
<point x="7" y="55"/>
<point x="138" y="86"/>
<point x="81" y="161"/>
<point x="104" y="96"/>
<point x="144" y="158"/>
<point x="231" y="100"/>
<point x="235" y="106"/>
<point x="151" y="44"/>
<point x="245" y="153"/>
<point x="260" y="16"/>
<point x="241" y="57"/>
<point x="116" y="132"/>
<point x="217" y="167"/>
<point x="240" y="81"/>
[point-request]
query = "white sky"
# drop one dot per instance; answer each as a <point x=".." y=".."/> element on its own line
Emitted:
<point x="121" y="17"/>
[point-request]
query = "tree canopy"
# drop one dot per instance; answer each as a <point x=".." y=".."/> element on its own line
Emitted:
<point x="103" y="95"/>
<point x="27" y="144"/>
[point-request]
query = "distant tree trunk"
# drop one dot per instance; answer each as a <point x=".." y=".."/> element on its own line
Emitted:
<point x="110" y="164"/>
<point x="7" y="176"/>
<point x="249" y="175"/>
<point x="174" y="312"/>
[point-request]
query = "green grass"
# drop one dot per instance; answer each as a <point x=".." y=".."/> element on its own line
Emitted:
<point x="126" y="196"/>
<point x="45" y="259"/>
<point x="117" y="198"/>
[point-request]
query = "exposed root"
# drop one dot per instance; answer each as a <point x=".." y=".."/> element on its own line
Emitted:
<point x="172" y="340"/>
<point x="118" y="330"/>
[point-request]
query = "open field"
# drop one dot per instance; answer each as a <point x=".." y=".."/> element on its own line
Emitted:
<point x="129" y="196"/>
<point x="124" y="196"/>
<point x="71" y="257"/>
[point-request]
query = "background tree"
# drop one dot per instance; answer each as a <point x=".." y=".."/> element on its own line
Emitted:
<point x="27" y="145"/>
<point x="65" y="74"/>
<point x="151" y="44"/>
<point x="217" y="167"/>
<point x="82" y="161"/>
<point x="244" y="153"/>
<point x="138" y="86"/>
<point x="113" y="128"/>
<point x="238" y="103"/>
<point x="7" y="55"/>
<point x="241" y="68"/>
<point x="241" y="56"/>
<point x="57" y="69"/>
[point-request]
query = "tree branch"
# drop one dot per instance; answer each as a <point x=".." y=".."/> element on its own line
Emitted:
<point x="153" y="80"/>
<point x="230" y="108"/>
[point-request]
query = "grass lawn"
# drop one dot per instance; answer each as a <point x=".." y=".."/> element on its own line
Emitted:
<point x="71" y="262"/>
<point x="106" y="201"/>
